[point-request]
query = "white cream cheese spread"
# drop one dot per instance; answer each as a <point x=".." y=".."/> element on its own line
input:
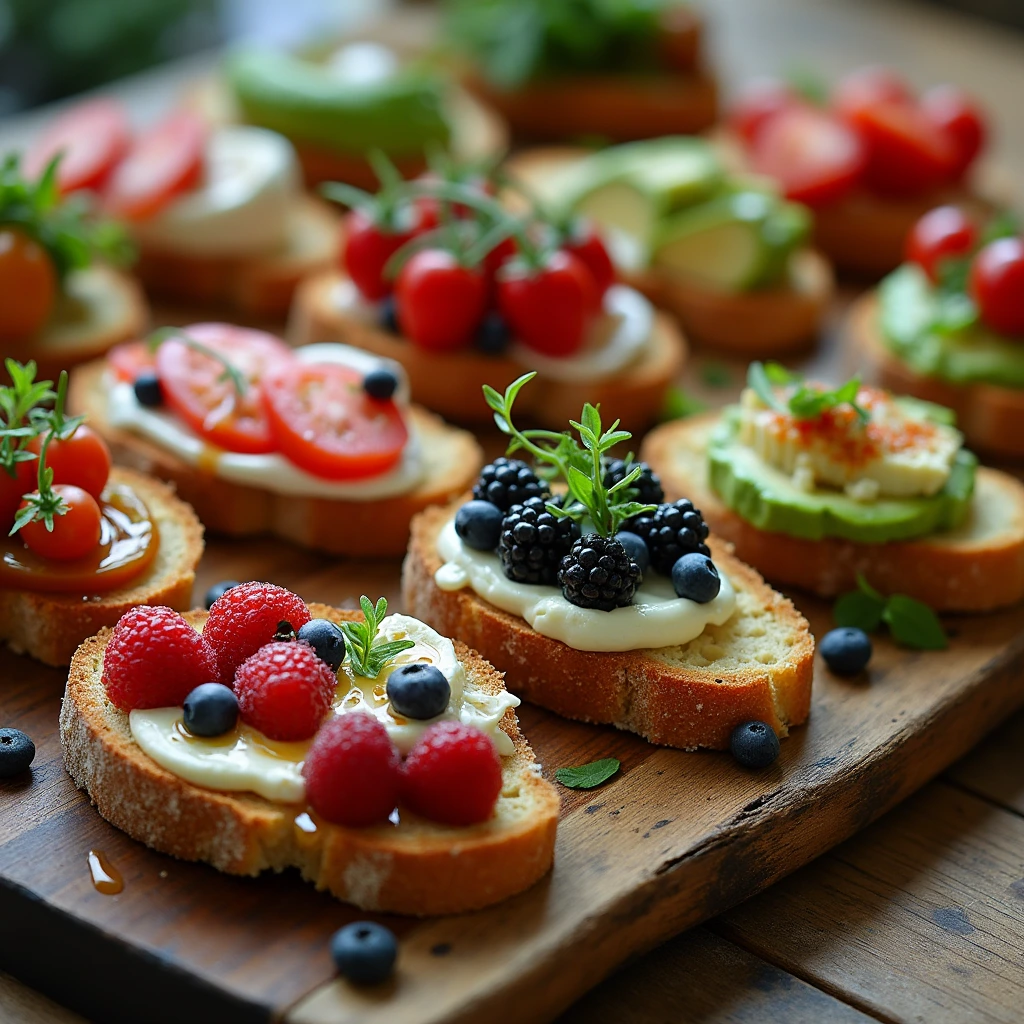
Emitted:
<point x="656" y="618"/>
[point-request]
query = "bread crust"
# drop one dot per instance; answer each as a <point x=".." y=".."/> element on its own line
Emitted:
<point x="417" y="867"/>
<point x="354" y="528"/>
<point x="50" y="626"/>
<point x="974" y="569"/>
<point x="451" y="384"/>
<point x="991" y="417"/>
<point x="633" y="690"/>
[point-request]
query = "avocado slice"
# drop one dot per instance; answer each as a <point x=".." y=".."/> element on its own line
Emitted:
<point x="767" y="499"/>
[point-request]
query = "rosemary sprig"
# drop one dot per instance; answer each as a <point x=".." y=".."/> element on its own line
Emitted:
<point x="368" y="653"/>
<point x="805" y="402"/>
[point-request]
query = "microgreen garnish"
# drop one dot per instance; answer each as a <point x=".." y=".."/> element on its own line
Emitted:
<point x="368" y="653"/>
<point x="231" y="373"/>
<point x="580" y="466"/>
<point x="23" y="413"/>
<point x="587" y="776"/>
<point x="805" y="402"/>
<point x="911" y="622"/>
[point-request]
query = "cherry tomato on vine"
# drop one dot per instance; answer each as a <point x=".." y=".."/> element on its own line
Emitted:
<point x="367" y="246"/>
<point x="587" y="245"/>
<point x="440" y="302"/>
<point x="997" y="284"/>
<point x="867" y="87"/>
<point x="26" y="271"/>
<point x="75" y="534"/>
<point x="83" y="459"/>
<point x="940" y="234"/>
<point x="757" y="103"/>
<point x="952" y="111"/>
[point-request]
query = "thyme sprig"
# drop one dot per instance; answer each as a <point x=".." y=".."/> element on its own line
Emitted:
<point x="23" y="413"/>
<point x="368" y="653"/>
<point x="806" y="402"/>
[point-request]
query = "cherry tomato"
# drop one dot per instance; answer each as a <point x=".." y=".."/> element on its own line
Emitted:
<point x="549" y="309"/>
<point x="997" y="284"/>
<point x="757" y="104"/>
<point x="587" y="245"/>
<point x="196" y="387"/>
<point x="83" y="459"/>
<point x="130" y="359"/>
<point x="940" y="234"/>
<point x="75" y="534"/>
<point x="499" y="256"/>
<point x="440" y="303"/>
<point x="430" y="206"/>
<point x="28" y="282"/>
<point x="324" y="422"/>
<point x="867" y="87"/>
<point x="815" y="157"/>
<point x="12" y="490"/>
<point x="960" y="118"/>
<point x="367" y="247"/>
<point x="162" y="164"/>
<point x="93" y="137"/>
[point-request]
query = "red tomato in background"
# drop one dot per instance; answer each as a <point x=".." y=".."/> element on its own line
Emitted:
<point x="12" y="489"/>
<point x="131" y="358"/>
<point x="499" y="256"/>
<point x="83" y="460"/>
<point x="323" y="421"/>
<point x="953" y="112"/>
<point x="867" y="87"/>
<point x="997" y="284"/>
<point x="757" y="103"/>
<point x="366" y="249"/>
<point x="587" y="245"/>
<point x="75" y="534"/>
<point x="940" y="234"/>
<point x="440" y="303"/>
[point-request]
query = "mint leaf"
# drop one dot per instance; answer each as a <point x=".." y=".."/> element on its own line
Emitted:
<point x="587" y="776"/>
<point x="859" y="610"/>
<point x="914" y="624"/>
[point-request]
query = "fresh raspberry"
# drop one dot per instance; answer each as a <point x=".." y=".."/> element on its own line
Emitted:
<point x="245" y="618"/>
<point x="452" y="775"/>
<point x="284" y="690"/>
<point x="155" y="659"/>
<point x="352" y="771"/>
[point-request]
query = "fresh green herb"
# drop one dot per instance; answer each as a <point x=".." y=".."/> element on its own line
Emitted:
<point x="231" y="373"/>
<point x="1005" y="224"/>
<point x="23" y="413"/>
<point x="678" y="405"/>
<point x="808" y="85"/>
<point x="367" y="652"/>
<point x="805" y="402"/>
<point x="716" y="375"/>
<point x="587" y="776"/>
<point x="911" y="622"/>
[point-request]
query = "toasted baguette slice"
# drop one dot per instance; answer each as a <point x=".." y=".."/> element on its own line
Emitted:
<point x="416" y="867"/>
<point x="975" y="568"/>
<point x="759" y="665"/>
<point x="451" y="384"/>
<point x="260" y="285"/>
<point x="354" y="528"/>
<point x="50" y="626"/>
<point x="100" y="308"/>
<point x="991" y="417"/>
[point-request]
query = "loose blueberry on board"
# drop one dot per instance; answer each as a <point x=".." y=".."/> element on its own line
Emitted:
<point x="695" y="576"/>
<point x="389" y="314"/>
<point x="846" y="650"/>
<point x="217" y="591"/>
<point x="636" y="548"/>
<point x="211" y="709"/>
<point x="326" y="639"/>
<point x="380" y="384"/>
<point x="478" y="523"/>
<point x="148" y="390"/>
<point x="16" y="753"/>
<point x="364" y="952"/>
<point x="754" y="744"/>
<point x="418" y="691"/>
<point x="493" y="334"/>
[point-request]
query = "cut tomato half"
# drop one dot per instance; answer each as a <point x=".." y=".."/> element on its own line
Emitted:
<point x="326" y="424"/>
<point x="131" y="358"/>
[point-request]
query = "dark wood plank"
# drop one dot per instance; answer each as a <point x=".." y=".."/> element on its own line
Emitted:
<point x="995" y="770"/>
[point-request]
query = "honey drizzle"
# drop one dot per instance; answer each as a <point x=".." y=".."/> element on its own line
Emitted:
<point x="105" y="877"/>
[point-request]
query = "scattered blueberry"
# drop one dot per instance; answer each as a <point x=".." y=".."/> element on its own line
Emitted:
<point x="846" y="650"/>
<point x="694" y="576"/>
<point x="211" y="709"/>
<point x="380" y="384"/>
<point x="478" y="523"/>
<point x="636" y="548"/>
<point x="754" y="744"/>
<point x="493" y="334"/>
<point x="16" y="753"/>
<point x="418" y="691"/>
<point x="389" y="315"/>
<point x="217" y="591"/>
<point x="326" y="639"/>
<point x="364" y="952"/>
<point x="148" y="390"/>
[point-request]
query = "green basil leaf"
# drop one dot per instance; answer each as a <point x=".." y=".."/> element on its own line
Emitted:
<point x="858" y="610"/>
<point x="587" y="776"/>
<point x="914" y="624"/>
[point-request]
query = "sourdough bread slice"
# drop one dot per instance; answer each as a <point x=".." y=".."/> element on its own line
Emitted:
<point x="758" y="665"/>
<point x="976" y="567"/>
<point x="356" y="528"/>
<point x="416" y="867"/>
<point x="50" y="626"/>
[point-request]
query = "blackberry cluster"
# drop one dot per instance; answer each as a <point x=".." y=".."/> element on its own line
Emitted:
<point x="507" y="482"/>
<point x="598" y="573"/>
<point x="647" y="485"/>
<point x="533" y="542"/>
<point x="670" y="532"/>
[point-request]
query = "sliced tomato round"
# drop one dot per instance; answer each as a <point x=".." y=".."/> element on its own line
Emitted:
<point x="92" y="138"/>
<point x="326" y="424"/>
<point x="131" y="358"/>
<point x="164" y="162"/>
<point x="198" y="388"/>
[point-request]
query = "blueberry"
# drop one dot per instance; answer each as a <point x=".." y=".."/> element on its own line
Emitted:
<point x="695" y="576"/>
<point x="636" y="548"/>
<point x="148" y="390"/>
<point x="418" y="691"/>
<point x="389" y="315"/>
<point x="16" y="753"/>
<point x="217" y="591"/>
<point x="380" y="384"/>
<point x="754" y="744"/>
<point x="211" y="709"/>
<point x="326" y="639"/>
<point x="364" y="952"/>
<point x="493" y="334"/>
<point x="846" y="651"/>
<point x="478" y="523"/>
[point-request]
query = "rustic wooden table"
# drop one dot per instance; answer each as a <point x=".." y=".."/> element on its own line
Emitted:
<point x="921" y="916"/>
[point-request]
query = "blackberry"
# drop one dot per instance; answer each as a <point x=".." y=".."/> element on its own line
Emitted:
<point x="508" y="482"/>
<point x="672" y="531"/>
<point x="598" y="573"/>
<point x="533" y="542"/>
<point x="647" y="485"/>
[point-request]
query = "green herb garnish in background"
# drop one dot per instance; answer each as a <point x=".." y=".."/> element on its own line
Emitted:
<point x="368" y="653"/>
<point x="805" y="402"/>
<point x="678" y="405"/>
<point x="587" y="776"/>
<point x="911" y="622"/>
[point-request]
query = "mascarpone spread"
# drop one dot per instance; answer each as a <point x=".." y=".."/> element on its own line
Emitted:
<point x="658" y="617"/>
